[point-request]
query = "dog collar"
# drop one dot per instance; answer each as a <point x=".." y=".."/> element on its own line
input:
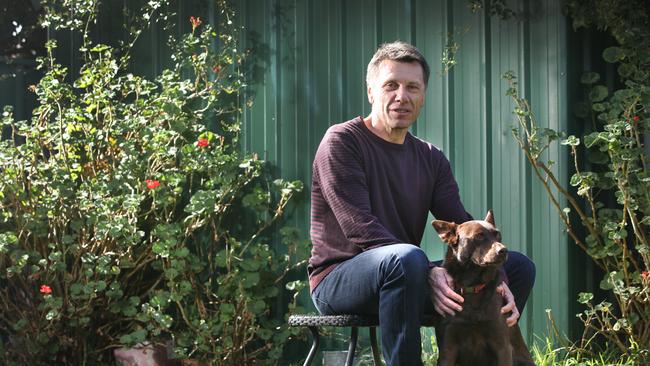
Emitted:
<point x="472" y="289"/>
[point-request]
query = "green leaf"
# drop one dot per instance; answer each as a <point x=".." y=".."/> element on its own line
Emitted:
<point x="571" y="140"/>
<point x="620" y="323"/>
<point x="52" y="314"/>
<point x="646" y="220"/>
<point x="129" y="311"/>
<point x="592" y="139"/>
<point x="626" y="70"/>
<point x="161" y="249"/>
<point x="598" y="107"/>
<point x="76" y="289"/>
<point x="134" y="300"/>
<point x="589" y="78"/>
<point x="611" y="280"/>
<point x="259" y="306"/>
<point x="100" y="285"/>
<point x="19" y="325"/>
<point x="181" y="252"/>
<point x="576" y="179"/>
<point x="221" y="258"/>
<point x="613" y="54"/>
<point x="250" y="279"/>
<point x="252" y="264"/>
<point x="598" y="93"/>
<point x="585" y="297"/>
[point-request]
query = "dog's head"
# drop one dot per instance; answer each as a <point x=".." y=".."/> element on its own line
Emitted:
<point x="477" y="241"/>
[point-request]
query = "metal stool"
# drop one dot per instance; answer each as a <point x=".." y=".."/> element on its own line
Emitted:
<point x="313" y="322"/>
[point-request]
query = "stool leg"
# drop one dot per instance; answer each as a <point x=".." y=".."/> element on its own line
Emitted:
<point x="314" y="346"/>
<point x="373" y="345"/>
<point x="353" y="346"/>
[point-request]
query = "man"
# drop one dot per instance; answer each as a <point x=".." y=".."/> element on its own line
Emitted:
<point x="373" y="186"/>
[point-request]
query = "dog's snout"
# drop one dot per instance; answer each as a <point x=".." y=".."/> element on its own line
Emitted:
<point x="499" y="250"/>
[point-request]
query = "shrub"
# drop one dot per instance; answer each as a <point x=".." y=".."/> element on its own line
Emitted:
<point x="128" y="212"/>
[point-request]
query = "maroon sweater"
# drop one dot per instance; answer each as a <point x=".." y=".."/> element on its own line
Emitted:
<point x="368" y="192"/>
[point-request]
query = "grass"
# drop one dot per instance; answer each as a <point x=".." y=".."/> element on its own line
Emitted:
<point x="545" y="352"/>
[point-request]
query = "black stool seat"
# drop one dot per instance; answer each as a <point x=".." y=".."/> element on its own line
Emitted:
<point x="313" y="322"/>
<point x="346" y="320"/>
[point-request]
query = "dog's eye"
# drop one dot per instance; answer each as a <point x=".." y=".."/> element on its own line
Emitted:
<point x="479" y="236"/>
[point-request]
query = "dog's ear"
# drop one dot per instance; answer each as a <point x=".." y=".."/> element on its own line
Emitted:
<point x="446" y="231"/>
<point x="490" y="217"/>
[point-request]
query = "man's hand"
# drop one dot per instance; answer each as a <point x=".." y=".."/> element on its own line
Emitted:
<point x="510" y="306"/>
<point x="445" y="300"/>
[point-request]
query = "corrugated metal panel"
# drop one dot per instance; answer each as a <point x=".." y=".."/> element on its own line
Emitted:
<point x="547" y="88"/>
<point x="315" y="77"/>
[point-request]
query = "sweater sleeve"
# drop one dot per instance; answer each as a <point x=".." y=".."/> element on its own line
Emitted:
<point x="445" y="203"/>
<point x="339" y="172"/>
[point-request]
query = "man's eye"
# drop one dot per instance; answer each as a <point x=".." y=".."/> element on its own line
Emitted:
<point x="391" y="86"/>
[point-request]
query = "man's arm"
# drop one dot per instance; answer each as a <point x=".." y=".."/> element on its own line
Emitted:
<point x="445" y="202"/>
<point x="341" y="180"/>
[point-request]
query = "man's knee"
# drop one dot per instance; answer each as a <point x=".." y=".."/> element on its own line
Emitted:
<point x="521" y="267"/>
<point x="411" y="259"/>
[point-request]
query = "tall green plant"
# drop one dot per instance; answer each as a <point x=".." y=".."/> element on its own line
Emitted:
<point x="128" y="212"/>
<point x="611" y="203"/>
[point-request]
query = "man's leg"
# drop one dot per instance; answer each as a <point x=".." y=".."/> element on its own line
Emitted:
<point x="390" y="281"/>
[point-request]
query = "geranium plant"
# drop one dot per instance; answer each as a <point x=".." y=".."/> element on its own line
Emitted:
<point x="129" y="213"/>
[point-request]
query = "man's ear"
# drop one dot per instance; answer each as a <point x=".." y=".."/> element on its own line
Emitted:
<point x="369" y="91"/>
<point x="446" y="231"/>
<point x="490" y="217"/>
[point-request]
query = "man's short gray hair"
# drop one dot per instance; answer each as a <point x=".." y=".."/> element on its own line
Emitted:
<point x="397" y="51"/>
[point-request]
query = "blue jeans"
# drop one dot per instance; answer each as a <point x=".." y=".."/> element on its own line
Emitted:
<point x="391" y="281"/>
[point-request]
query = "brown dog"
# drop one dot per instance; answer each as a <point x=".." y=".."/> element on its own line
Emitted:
<point x="478" y="335"/>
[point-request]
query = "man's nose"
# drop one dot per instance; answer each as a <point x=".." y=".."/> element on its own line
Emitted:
<point x="401" y="94"/>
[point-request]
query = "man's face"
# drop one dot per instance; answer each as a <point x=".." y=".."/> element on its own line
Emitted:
<point x="396" y="94"/>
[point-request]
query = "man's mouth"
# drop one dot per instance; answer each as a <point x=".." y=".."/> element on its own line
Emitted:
<point x="401" y="110"/>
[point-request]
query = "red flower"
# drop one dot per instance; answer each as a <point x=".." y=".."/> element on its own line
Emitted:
<point x="636" y="118"/>
<point x="202" y="143"/>
<point x="152" y="184"/>
<point x="217" y="69"/>
<point x="45" y="289"/>
<point x="645" y="275"/>
<point x="195" y="22"/>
